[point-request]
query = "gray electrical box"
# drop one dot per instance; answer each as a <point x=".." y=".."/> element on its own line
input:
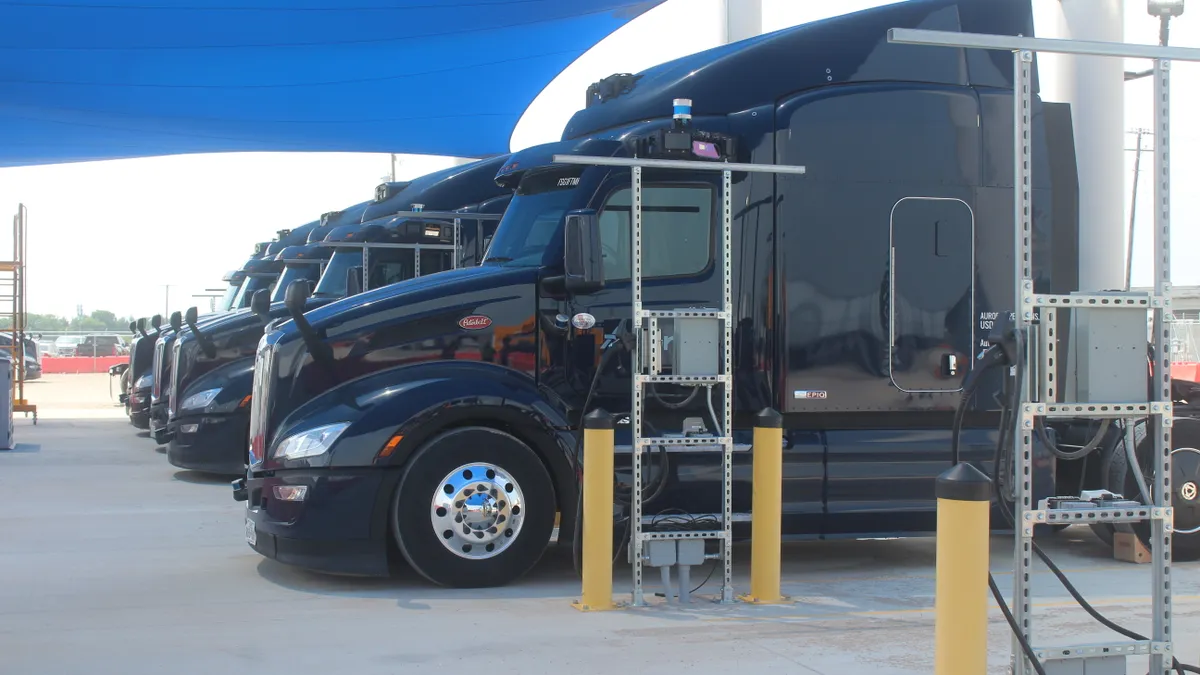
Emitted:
<point x="6" y="403"/>
<point x="1107" y="357"/>
<point x="695" y="347"/>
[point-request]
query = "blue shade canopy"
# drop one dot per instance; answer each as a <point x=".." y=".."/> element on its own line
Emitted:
<point x="107" y="79"/>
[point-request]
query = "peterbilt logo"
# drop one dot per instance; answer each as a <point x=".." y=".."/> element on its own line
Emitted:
<point x="474" y="322"/>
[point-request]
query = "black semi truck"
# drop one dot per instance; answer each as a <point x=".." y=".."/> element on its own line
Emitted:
<point x="211" y="382"/>
<point x="138" y="375"/>
<point x="369" y="412"/>
<point x="260" y="272"/>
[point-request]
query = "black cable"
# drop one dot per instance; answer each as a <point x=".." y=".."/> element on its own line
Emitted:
<point x="1012" y="622"/>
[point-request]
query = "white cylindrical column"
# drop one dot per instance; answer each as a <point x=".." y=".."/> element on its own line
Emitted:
<point x="740" y="19"/>
<point x="1095" y="88"/>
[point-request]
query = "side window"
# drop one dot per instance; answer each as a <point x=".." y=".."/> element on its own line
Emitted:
<point x="389" y="265"/>
<point x="676" y="231"/>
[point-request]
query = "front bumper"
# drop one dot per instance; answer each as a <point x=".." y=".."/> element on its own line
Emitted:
<point x="341" y="526"/>
<point x="159" y="430"/>
<point x="139" y="408"/>
<point x="210" y="443"/>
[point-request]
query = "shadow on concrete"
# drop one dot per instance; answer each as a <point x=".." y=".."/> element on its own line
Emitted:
<point x="145" y="433"/>
<point x="552" y="577"/>
<point x="200" y="478"/>
<point x="161" y="449"/>
<point x="25" y="447"/>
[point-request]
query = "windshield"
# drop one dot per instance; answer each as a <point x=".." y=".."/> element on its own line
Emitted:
<point x="293" y="272"/>
<point x="333" y="280"/>
<point x="231" y="294"/>
<point x="249" y="287"/>
<point x="530" y="234"/>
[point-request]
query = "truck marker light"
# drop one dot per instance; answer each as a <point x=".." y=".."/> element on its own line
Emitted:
<point x="290" y="493"/>
<point x="391" y="446"/>
<point x="189" y="428"/>
<point x="246" y="401"/>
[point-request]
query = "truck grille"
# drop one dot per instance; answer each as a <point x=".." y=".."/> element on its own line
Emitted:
<point x="160" y="348"/>
<point x="264" y="366"/>
<point x="172" y="394"/>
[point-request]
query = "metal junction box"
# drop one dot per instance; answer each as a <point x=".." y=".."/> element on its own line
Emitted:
<point x="696" y="347"/>
<point x="1107" y="359"/>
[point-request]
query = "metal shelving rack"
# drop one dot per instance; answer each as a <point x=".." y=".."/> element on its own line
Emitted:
<point x="455" y="219"/>
<point x="1042" y="400"/>
<point x="649" y="368"/>
<point x="12" y="296"/>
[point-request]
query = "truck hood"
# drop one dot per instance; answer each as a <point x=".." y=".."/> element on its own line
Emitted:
<point x="389" y="303"/>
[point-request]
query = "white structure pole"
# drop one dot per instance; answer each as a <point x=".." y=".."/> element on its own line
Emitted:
<point x="1094" y="86"/>
<point x="740" y="19"/>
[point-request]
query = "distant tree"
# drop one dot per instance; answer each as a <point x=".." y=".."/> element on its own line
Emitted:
<point x="37" y="322"/>
<point x="87" y="323"/>
<point x="106" y="318"/>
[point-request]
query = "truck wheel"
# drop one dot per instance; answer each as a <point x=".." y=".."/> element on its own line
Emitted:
<point x="1185" y="485"/>
<point x="475" y="508"/>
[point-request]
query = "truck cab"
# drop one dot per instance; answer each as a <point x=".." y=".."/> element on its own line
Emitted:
<point x="259" y="272"/>
<point x="214" y="364"/>
<point x="388" y="426"/>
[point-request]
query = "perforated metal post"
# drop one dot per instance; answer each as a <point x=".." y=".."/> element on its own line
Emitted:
<point x="635" y="415"/>
<point x="1160" y="426"/>
<point x="1023" y="433"/>
<point x="458" y="243"/>
<point x="727" y="370"/>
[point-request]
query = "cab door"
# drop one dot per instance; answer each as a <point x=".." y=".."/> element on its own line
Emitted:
<point x="679" y="269"/>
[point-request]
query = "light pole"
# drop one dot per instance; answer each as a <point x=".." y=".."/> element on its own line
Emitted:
<point x="167" y="299"/>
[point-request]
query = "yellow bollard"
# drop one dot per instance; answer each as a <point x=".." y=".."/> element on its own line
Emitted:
<point x="597" y="512"/>
<point x="766" y="525"/>
<point x="963" y="526"/>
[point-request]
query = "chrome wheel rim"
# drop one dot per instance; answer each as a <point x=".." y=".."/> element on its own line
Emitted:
<point x="477" y="511"/>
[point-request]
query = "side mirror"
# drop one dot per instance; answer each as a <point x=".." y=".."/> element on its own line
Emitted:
<point x="354" y="281"/>
<point x="583" y="261"/>
<point x="156" y="321"/>
<point x="140" y="326"/>
<point x="189" y="317"/>
<point x="133" y="327"/>
<point x="260" y="304"/>
<point x="176" y="321"/>
<point x="295" y="297"/>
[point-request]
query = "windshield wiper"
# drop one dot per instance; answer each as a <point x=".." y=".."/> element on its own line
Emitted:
<point x="499" y="259"/>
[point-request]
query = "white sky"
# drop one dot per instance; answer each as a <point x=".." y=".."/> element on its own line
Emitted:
<point x="109" y="235"/>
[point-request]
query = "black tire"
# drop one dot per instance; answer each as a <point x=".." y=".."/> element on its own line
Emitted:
<point x="1185" y="444"/>
<point x="413" y="508"/>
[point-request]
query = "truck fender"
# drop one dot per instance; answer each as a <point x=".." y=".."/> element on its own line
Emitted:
<point x="417" y="402"/>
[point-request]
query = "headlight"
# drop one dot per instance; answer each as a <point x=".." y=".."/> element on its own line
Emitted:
<point x="144" y="382"/>
<point x="199" y="400"/>
<point x="310" y="443"/>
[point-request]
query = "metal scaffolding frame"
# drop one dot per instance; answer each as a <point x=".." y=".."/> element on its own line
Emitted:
<point x="1042" y="401"/>
<point x="648" y="370"/>
<point x="12" y="297"/>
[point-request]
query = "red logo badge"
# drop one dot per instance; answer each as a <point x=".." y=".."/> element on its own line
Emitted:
<point x="474" y="322"/>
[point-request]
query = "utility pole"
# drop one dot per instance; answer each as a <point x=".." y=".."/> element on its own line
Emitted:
<point x="167" y="299"/>
<point x="1137" y="168"/>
